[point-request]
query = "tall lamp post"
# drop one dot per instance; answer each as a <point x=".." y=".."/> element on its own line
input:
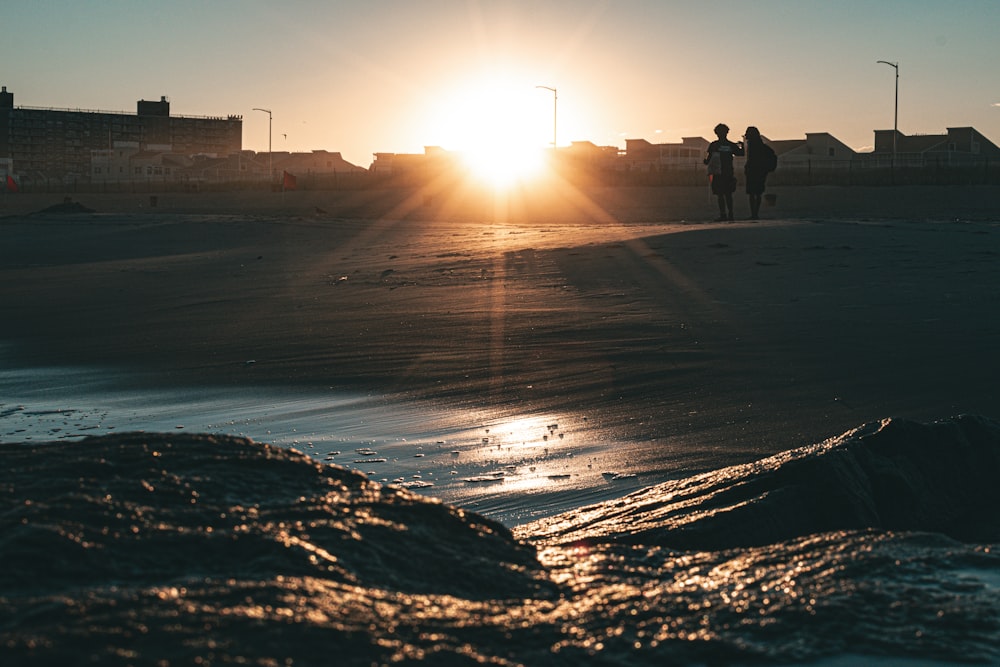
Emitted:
<point x="555" y="112"/>
<point x="270" y="169"/>
<point x="895" y="117"/>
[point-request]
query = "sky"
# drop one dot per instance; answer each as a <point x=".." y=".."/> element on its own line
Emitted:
<point x="367" y="76"/>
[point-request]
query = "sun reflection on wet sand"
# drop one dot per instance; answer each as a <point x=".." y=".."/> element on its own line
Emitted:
<point x="511" y="468"/>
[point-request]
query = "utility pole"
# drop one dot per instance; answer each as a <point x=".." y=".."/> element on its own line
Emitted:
<point x="555" y="112"/>
<point x="895" y="116"/>
<point x="270" y="168"/>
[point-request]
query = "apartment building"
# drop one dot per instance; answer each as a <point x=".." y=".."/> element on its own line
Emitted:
<point x="45" y="145"/>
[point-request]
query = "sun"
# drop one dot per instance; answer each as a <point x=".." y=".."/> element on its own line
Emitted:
<point x="500" y="128"/>
<point x="503" y="165"/>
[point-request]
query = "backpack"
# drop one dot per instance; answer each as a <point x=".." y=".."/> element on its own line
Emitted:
<point x="770" y="158"/>
<point x="714" y="164"/>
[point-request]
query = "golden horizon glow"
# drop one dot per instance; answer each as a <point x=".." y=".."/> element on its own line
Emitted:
<point x="503" y="166"/>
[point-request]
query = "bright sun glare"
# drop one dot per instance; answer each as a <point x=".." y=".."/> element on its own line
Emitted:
<point x="501" y="130"/>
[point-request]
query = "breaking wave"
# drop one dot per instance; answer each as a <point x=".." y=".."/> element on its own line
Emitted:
<point x="179" y="549"/>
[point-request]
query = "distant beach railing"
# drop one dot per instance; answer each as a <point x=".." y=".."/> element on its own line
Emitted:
<point x="867" y="171"/>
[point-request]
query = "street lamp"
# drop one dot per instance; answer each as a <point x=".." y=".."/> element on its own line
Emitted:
<point x="555" y="112"/>
<point x="895" y="118"/>
<point x="270" y="170"/>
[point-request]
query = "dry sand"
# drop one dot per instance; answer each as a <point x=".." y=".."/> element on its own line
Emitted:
<point x="728" y="342"/>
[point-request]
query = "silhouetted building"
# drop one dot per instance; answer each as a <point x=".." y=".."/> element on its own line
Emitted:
<point x="641" y="155"/>
<point x="314" y="162"/>
<point x="590" y="155"/>
<point x="432" y="160"/>
<point x="817" y="147"/>
<point x="45" y="144"/>
<point x="958" y="145"/>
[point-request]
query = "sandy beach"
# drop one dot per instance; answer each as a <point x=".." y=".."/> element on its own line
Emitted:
<point x="625" y="316"/>
<point x="640" y="406"/>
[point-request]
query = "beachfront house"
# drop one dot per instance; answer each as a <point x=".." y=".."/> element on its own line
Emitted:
<point x="821" y="147"/>
<point x="317" y="162"/>
<point x="126" y="161"/>
<point x="432" y="160"/>
<point x="641" y="155"/>
<point x="589" y="155"/>
<point x="958" y="146"/>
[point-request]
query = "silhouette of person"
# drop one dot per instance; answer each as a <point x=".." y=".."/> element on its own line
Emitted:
<point x="720" y="170"/>
<point x="760" y="162"/>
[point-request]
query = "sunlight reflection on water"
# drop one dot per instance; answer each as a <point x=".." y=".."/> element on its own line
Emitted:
<point x="513" y="469"/>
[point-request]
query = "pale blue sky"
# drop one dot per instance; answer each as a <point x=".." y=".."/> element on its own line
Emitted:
<point x="396" y="75"/>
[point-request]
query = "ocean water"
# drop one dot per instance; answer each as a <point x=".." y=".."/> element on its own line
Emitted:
<point x="510" y="467"/>
<point x="190" y="544"/>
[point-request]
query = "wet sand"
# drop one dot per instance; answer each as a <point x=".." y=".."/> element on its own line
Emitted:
<point x="699" y="344"/>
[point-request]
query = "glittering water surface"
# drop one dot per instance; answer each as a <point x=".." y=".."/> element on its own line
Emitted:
<point x="920" y="596"/>
<point x="186" y="549"/>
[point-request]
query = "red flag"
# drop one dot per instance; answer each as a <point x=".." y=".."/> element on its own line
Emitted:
<point x="11" y="183"/>
<point x="289" y="182"/>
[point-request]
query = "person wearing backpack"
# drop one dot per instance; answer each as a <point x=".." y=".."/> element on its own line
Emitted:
<point x="761" y="161"/>
<point x="720" y="169"/>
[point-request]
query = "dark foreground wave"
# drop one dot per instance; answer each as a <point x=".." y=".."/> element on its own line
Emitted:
<point x="180" y="549"/>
